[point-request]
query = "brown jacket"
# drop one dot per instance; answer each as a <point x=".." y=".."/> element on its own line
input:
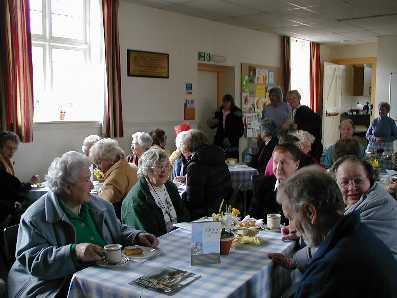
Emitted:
<point x="118" y="181"/>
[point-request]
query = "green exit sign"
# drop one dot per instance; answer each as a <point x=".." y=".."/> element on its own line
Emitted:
<point x="204" y="56"/>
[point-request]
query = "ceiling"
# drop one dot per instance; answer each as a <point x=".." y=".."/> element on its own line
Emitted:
<point x="323" y="21"/>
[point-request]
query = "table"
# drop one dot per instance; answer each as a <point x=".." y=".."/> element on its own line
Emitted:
<point x="37" y="192"/>
<point x="241" y="176"/>
<point x="246" y="272"/>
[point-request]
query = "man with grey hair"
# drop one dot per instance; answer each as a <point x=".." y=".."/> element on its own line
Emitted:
<point x="347" y="250"/>
<point x="65" y="231"/>
<point x="306" y="119"/>
<point x="278" y="110"/>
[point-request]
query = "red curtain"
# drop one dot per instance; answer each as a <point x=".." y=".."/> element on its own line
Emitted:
<point x="113" y="118"/>
<point x="315" y="76"/>
<point x="16" y="70"/>
<point x="285" y="63"/>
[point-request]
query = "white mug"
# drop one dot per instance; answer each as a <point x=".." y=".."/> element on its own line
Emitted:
<point x="113" y="253"/>
<point x="273" y="221"/>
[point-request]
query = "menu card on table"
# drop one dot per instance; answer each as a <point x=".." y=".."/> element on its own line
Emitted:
<point x="166" y="280"/>
<point x="205" y="242"/>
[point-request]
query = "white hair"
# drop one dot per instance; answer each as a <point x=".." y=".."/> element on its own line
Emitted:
<point x="65" y="170"/>
<point x="180" y="139"/>
<point x="149" y="159"/>
<point x="304" y="137"/>
<point x="143" y="139"/>
<point x="106" y="149"/>
<point x="88" y="142"/>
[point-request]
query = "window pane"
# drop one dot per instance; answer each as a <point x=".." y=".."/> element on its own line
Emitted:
<point x="300" y="68"/>
<point x="38" y="75"/>
<point x="67" y="17"/>
<point x="77" y="85"/>
<point x="36" y="16"/>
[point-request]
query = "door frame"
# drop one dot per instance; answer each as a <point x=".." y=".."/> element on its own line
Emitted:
<point x="220" y="76"/>
<point x="366" y="60"/>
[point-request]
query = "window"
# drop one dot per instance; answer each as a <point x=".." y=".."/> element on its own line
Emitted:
<point x="68" y="60"/>
<point x="300" y="68"/>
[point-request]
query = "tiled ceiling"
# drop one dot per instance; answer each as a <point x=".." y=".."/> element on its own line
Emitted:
<point x="324" y="21"/>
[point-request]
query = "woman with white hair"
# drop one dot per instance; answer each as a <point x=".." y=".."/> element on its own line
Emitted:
<point x="88" y="142"/>
<point x="154" y="204"/>
<point x="141" y="142"/>
<point x="119" y="175"/>
<point x="65" y="231"/>
<point x="179" y="166"/>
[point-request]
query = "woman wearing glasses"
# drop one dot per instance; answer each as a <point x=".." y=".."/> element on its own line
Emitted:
<point x="361" y="194"/>
<point x="154" y="204"/>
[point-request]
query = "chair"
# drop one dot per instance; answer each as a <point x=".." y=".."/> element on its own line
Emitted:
<point x="10" y="241"/>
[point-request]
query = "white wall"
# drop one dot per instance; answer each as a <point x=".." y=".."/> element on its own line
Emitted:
<point x="387" y="63"/>
<point x="150" y="103"/>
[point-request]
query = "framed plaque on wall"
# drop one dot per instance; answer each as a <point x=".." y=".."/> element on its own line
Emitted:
<point x="147" y="64"/>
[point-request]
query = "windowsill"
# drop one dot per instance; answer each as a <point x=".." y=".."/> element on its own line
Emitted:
<point x="67" y="122"/>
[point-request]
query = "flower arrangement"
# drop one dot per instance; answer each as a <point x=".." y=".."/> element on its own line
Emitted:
<point x="98" y="174"/>
<point x="228" y="219"/>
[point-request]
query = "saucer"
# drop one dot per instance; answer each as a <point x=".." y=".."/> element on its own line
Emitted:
<point x="104" y="263"/>
<point x="148" y="252"/>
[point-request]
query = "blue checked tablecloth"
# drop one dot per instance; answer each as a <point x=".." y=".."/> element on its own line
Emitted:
<point x="245" y="272"/>
<point x="241" y="176"/>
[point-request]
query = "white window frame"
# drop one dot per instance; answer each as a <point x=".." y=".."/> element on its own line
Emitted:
<point x="48" y="42"/>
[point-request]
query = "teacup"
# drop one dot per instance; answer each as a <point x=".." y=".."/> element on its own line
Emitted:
<point x="113" y="253"/>
<point x="273" y="221"/>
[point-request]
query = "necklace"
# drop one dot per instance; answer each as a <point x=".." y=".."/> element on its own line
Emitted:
<point x="163" y="201"/>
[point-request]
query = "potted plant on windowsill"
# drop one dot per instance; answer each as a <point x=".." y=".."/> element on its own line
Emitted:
<point x="227" y="218"/>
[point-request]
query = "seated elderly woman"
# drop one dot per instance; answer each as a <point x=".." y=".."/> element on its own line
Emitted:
<point x="382" y="132"/>
<point x="181" y="127"/>
<point x="88" y="142"/>
<point x="301" y="139"/>
<point x="119" y="175"/>
<point x="348" y="251"/>
<point x="13" y="192"/>
<point x="65" y="231"/>
<point x="267" y="140"/>
<point x="179" y="166"/>
<point x="285" y="159"/>
<point x="363" y="195"/>
<point x="207" y="176"/>
<point x="154" y="204"/>
<point x="346" y="131"/>
<point x="159" y="138"/>
<point x="141" y="141"/>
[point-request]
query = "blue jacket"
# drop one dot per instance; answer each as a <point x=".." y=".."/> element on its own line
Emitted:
<point x="378" y="210"/>
<point x="43" y="259"/>
<point x="350" y="262"/>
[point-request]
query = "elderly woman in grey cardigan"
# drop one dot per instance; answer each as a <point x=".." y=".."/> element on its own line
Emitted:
<point x="65" y="231"/>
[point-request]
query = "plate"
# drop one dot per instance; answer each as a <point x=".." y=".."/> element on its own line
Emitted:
<point x="148" y="252"/>
<point x="104" y="263"/>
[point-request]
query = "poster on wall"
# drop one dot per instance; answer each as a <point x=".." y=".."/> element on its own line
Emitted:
<point x="256" y="80"/>
<point x="189" y="110"/>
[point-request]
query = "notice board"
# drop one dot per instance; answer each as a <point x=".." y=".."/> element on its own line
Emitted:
<point x="256" y="81"/>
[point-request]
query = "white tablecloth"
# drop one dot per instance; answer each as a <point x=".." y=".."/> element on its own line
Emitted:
<point x="246" y="272"/>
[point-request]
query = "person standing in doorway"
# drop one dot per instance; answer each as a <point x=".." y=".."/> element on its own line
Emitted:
<point x="230" y="127"/>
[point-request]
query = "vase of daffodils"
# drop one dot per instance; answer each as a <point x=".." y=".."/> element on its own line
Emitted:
<point x="227" y="219"/>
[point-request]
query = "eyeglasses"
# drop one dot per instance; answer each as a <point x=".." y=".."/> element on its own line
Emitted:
<point x="162" y="167"/>
<point x="356" y="181"/>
